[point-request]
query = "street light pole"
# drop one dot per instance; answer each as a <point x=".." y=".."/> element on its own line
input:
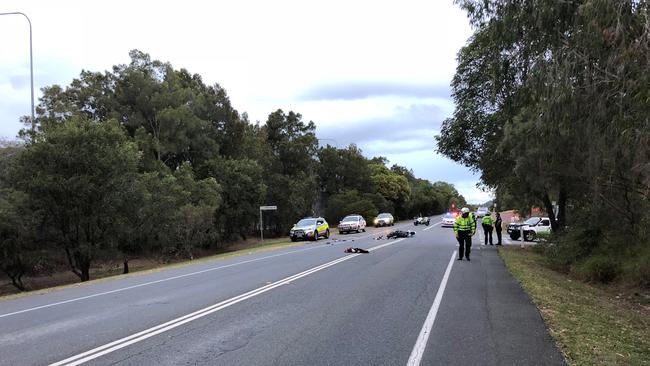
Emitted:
<point x="31" y="60"/>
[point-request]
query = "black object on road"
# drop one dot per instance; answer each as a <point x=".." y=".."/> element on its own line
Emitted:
<point x="399" y="234"/>
<point x="356" y="250"/>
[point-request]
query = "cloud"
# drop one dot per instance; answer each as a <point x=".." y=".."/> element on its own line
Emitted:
<point x="351" y="90"/>
<point x="409" y="129"/>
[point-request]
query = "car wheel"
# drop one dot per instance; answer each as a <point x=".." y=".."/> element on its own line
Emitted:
<point x="293" y="238"/>
<point x="327" y="234"/>
<point x="529" y="236"/>
<point x="364" y="229"/>
<point x="415" y="223"/>
<point x="514" y="236"/>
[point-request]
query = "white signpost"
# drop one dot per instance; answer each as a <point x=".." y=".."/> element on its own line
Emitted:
<point x="265" y="208"/>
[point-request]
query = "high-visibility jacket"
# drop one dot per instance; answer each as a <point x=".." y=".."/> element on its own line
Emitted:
<point x="465" y="224"/>
<point x="487" y="220"/>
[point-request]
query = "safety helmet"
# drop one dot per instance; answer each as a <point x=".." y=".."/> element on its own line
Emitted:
<point x="465" y="210"/>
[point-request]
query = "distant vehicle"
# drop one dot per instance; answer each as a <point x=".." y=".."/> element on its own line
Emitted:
<point x="531" y="228"/>
<point x="448" y="220"/>
<point x="352" y="223"/>
<point x="311" y="228"/>
<point x="482" y="211"/>
<point x="384" y="219"/>
<point x="422" y="220"/>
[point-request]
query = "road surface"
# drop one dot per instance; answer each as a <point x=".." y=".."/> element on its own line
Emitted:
<point x="407" y="302"/>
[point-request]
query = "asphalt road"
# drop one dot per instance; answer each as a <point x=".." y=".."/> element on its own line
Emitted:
<point x="407" y="302"/>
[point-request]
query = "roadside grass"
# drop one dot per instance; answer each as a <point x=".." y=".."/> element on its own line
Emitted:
<point x="590" y="324"/>
<point x="107" y="272"/>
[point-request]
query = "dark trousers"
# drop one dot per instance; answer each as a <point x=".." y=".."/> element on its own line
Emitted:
<point x="487" y="230"/>
<point x="498" y="230"/>
<point x="464" y="243"/>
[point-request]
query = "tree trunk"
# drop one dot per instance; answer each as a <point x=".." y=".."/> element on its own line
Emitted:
<point x="561" y="210"/>
<point x="17" y="281"/>
<point x="85" y="272"/>
<point x="126" y="266"/>
<point x="549" y="210"/>
<point x="71" y="263"/>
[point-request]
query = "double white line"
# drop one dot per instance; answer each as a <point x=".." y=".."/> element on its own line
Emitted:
<point x="148" y="333"/>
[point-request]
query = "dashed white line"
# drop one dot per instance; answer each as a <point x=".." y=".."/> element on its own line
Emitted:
<point x="148" y="333"/>
<point x="423" y="337"/>
<point x="432" y="226"/>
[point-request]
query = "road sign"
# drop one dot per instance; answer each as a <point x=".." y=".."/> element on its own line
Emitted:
<point x="264" y="208"/>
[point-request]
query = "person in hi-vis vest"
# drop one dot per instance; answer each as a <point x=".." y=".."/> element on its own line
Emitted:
<point x="464" y="228"/>
<point x="487" y="227"/>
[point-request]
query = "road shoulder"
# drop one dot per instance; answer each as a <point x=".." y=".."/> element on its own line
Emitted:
<point x="486" y="318"/>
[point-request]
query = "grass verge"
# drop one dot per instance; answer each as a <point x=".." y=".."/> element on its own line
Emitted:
<point x="591" y="325"/>
<point x="66" y="279"/>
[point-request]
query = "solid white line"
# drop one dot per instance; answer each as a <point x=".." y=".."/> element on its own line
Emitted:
<point x="421" y="343"/>
<point x="157" y="281"/>
<point x="148" y="333"/>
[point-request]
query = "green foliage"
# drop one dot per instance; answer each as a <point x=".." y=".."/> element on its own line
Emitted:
<point x="73" y="174"/>
<point x="552" y="105"/>
<point x="350" y="202"/>
<point x="599" y="268"/>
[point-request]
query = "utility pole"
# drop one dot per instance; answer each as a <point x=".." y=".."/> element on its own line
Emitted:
<point x="31" y="61"/>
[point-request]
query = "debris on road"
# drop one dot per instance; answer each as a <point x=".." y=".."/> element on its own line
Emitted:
<point x="399" y="234"/>
<point x="355" y="250"/>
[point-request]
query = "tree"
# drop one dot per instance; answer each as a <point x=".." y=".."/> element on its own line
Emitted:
<point x="392" y="186"/>
<point x="350" y="202"/>
<point x="72" y="173"/>
<point x="290" y="167"/>
<point x="243" y="192"/>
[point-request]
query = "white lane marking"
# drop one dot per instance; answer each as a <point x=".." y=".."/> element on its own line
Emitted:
<point x="421" y="343"/>
<point x="148" y="333"/>
<point x="432" y="226"/>
<point x="158" y="281"/>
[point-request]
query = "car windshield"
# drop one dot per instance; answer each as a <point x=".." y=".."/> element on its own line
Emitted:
<point x="384" y="216"/>
<point x="306" y="222"/>
<point x="482" y="209"/>
<point x="448" y="216"/>
<point x="532" y="221"/>
<point x="351" y="219"/>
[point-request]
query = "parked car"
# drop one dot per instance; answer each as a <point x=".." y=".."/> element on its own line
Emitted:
<point x="482" y="211"/>
<point x="422" y="220"/>
<point x="448" y="220"/>
<point x="352" y="223"/>
<point x="532" y="228"/>
<point x="310" y="228"/>
<point x="384" y="219"/>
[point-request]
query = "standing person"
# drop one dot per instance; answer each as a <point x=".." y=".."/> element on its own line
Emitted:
<point x="464" y="228"/>
<point x="487" y="227"/>
<point x="497" y="228"/>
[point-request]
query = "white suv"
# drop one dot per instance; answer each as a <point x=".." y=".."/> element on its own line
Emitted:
<point x="531" y="228"/>
<point x="352" y="223"/>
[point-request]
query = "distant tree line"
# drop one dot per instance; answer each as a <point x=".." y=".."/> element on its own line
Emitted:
<point x="552" y="104"/>
<point x="148" y="160"/>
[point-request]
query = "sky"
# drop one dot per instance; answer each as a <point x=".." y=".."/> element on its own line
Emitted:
<point x="374" y="73"/>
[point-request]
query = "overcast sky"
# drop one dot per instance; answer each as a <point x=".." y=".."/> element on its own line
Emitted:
<point x="375" y="73"/>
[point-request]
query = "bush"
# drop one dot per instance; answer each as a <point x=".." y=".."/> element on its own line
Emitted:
<point x="598" y="268"/>
<point x="635" y="269"/>
<point x="571" y="247"/>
